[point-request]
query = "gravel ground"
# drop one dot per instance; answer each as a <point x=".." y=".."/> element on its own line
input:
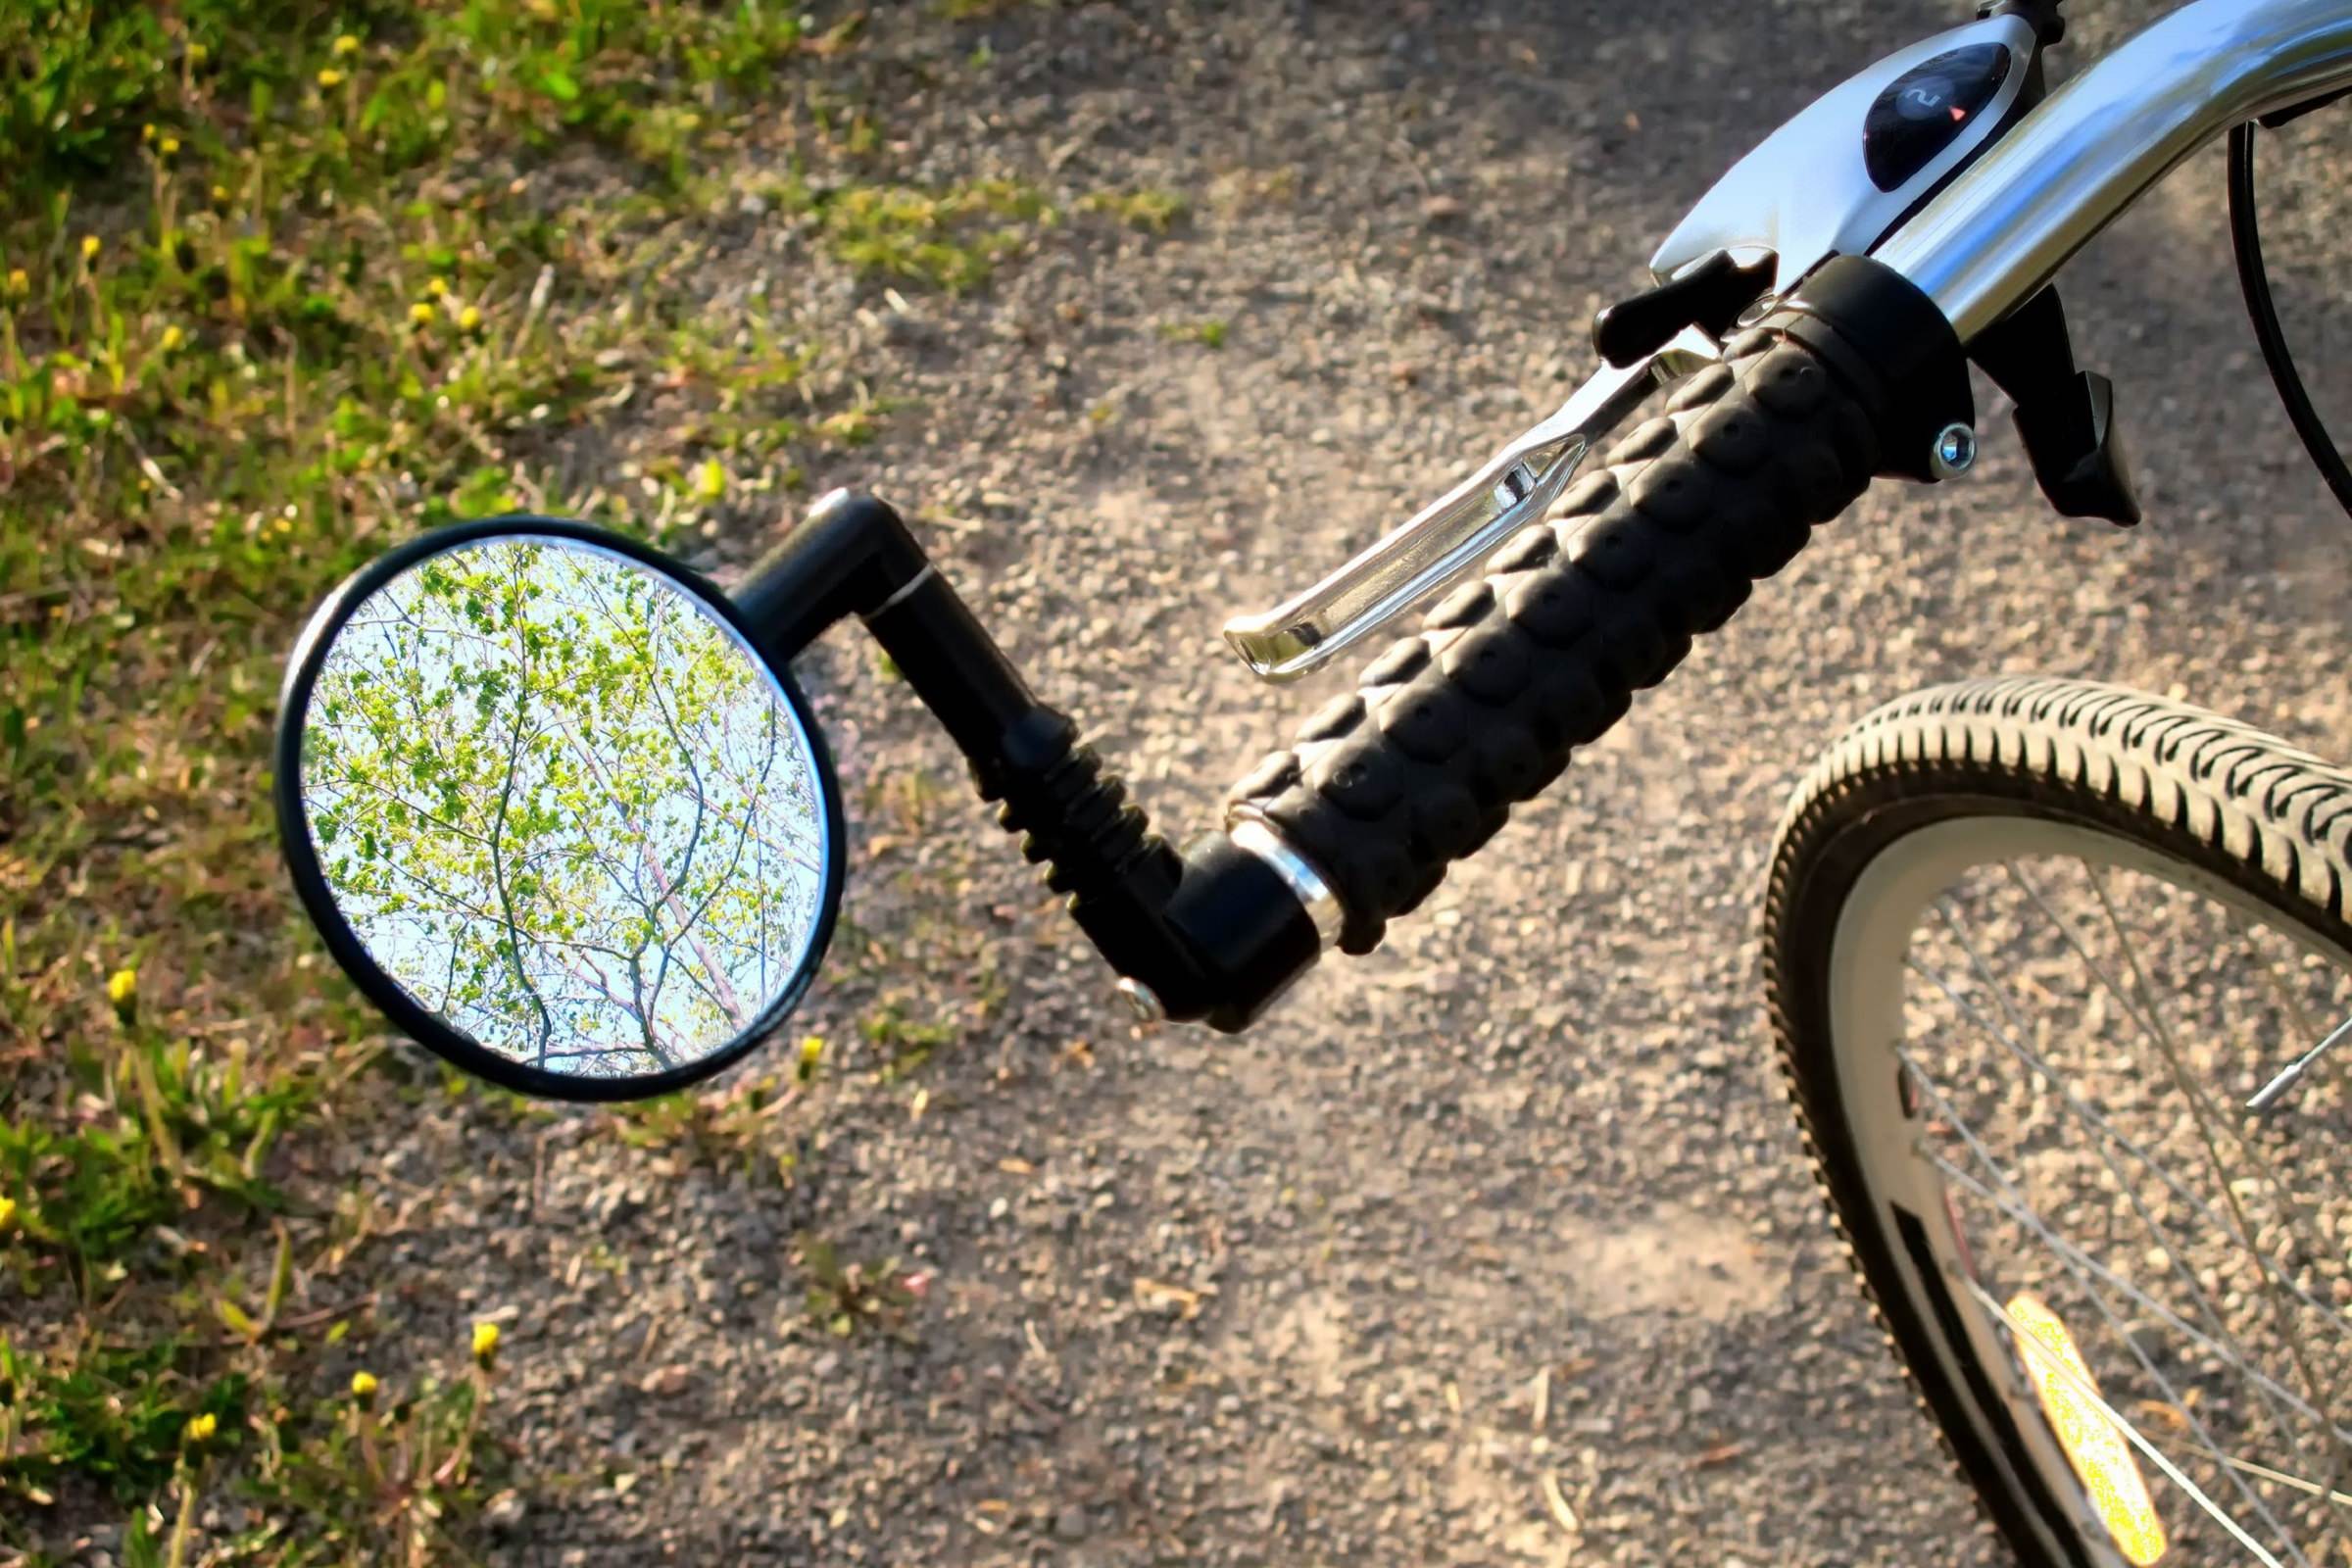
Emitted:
<point x="1511" y="1206"/>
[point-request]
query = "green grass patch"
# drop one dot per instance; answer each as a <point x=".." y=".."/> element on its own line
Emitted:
<point x="1158" y="210"/>
<point x="280" y="284"/>
<point x="1209" y="335"/>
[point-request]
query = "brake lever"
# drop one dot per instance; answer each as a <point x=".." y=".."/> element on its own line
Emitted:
<point x="1453" y="534"/>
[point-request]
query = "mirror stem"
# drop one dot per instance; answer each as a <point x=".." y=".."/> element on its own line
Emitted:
<point x="1215" y="934"/>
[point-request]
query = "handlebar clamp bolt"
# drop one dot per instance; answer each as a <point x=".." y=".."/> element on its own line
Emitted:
<point x="1142" y="1001"/>
<point x="1955" y="451"/>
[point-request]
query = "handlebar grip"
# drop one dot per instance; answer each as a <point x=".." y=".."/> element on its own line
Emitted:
<point x="1386" y="788"/>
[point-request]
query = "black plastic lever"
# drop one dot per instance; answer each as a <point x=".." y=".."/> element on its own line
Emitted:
<point x="1710" y="295"/>
<point x="2065" y="416"/>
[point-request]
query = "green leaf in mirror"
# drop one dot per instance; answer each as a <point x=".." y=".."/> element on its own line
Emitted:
<point x="556" y="801"/>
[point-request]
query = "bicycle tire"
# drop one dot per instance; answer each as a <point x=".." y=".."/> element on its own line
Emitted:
<point x="2197" y="789"/>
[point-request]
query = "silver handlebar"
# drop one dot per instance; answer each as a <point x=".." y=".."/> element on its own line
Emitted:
<point x="2035" y="194"/>
<point x="2067" y="170"/>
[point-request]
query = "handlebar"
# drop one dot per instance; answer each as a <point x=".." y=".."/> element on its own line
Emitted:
<point x="1483" y="707"/>
<point x="1857" y="373"/>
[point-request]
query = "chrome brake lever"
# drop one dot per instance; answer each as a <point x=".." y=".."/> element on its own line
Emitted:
<point x="1453" y="534"/>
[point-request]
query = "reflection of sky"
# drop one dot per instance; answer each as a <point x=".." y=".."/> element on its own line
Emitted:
<point x="728" y="904"/>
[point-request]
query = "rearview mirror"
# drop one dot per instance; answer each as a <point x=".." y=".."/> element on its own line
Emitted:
<point x="554" y="812"/>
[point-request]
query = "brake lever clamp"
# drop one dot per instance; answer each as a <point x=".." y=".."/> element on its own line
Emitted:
<point x="1453" y="534"/>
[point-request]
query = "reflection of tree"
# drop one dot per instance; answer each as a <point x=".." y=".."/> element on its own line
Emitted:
<point x="562" y="808"/>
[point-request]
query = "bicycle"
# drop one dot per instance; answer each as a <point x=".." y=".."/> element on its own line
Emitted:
<point x="557" y="807"/>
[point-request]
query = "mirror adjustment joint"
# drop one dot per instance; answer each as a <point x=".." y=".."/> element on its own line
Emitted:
<point x="1708" y="295"/>
<point x="1211" y="935"/>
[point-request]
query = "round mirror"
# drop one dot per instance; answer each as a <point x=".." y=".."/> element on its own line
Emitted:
<point x="554" y="812"/>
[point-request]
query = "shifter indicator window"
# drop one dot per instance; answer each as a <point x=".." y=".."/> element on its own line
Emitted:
<point x="1925" y="108"/>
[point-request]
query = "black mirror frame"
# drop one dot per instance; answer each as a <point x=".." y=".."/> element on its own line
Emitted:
<point x="343" y="943"/>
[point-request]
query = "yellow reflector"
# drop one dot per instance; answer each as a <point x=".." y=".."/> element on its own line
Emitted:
<point x="2094" y="1445"/>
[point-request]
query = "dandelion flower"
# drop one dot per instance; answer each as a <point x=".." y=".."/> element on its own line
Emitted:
<point x="8" y="1212"/>
<point x="89" y="247"/>
<point x="709" y="480"/>
<point x="200" y="1428"/>
<point x="330" y="78"/>
<point x="18" y="282"/>
<point x="362" y="1386"/>
<point x="421" y="314"/>
<point x="437" y="288"/>
<point x="122" y="986"/>
<point x="221" y="195"/>
<point x="812" y="1048"/>
<point x="347" y="45"/>
<point x="470" y="320"/>
<point x="198" y="54"/>
<point x="147" y="132"/>
<point x="172" y="339"/>
<point x="168" y="146"/>
<point x="485" y="1341"/>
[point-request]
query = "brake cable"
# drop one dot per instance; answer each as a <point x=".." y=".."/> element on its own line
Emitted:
<point x="2246" y="237"/>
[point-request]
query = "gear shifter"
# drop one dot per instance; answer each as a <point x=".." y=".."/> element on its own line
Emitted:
<point x="1709" y="294"/>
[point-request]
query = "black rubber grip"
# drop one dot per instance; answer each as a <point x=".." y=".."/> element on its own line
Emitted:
<point x="1385" y="789"/>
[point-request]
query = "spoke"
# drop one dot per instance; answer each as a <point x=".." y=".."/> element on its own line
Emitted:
<point x="2091" y="1114"/>
<point x="2131" y="1432"/>
<point x="2128" y="1189"/>
<point x="2280" y="988"/>
<point x="2067" y="1251"/>
<point x="2326" y="1313"/>
<point x="2322" y="1394"/>
<point x="2297" y="1481"/>
<point x="2270" y="1093"/>
<point x="2284" y="994"/>
<point x="2068" y="1254"/>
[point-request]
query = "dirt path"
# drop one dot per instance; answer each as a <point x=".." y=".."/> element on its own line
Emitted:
<point x="1302" y="1298"/>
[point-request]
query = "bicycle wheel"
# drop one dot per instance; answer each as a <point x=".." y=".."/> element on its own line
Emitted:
<point x="2032" y="947"/>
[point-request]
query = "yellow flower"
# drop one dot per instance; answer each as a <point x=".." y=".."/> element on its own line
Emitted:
<point x="485" y="1341"/>
<point x="362" y="1386"/>
<point x="18" y="283"/>
<point x="221" y="195"/>
<point x="89" y="247"/>
<point x="200" y="1428"/>
<point x="147" y="132"/>
<point x="421" y="314"/>
<point x="470" y="320"/>
<point x="437" y="288"/>
<point x="168" y="146"/>
<point x="198" y="54"/>
<point x="8" y="1212"/>
<point x="330" y="78"/>
<point x="172" y="339"/>
<point x="709" y="480"/>
<point x="347" y="45"/>
<point x="122" y="985"/>
<point x="811" y="1048"/>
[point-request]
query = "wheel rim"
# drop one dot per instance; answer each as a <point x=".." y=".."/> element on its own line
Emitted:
<point x="1991" y="1110"/>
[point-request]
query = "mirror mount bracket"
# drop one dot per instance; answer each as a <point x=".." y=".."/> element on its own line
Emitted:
<point x="848" y="556"/>
<point x="1213" y="934"/>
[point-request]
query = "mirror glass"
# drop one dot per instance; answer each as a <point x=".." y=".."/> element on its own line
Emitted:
<point x="561" y="802"/>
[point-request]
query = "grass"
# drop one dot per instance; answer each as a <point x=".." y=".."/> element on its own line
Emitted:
<point x="280" y="284"/>
<point x="1210" y="334"/>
